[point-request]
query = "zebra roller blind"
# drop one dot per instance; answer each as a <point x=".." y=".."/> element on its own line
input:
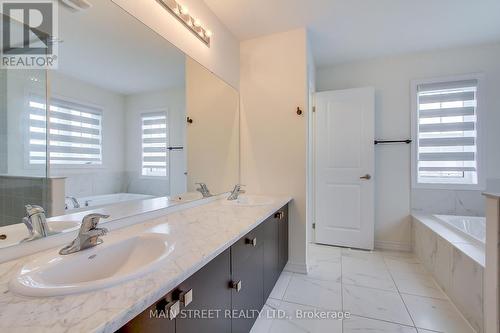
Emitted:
<point x="447" y="133"/>
<point x="75" y="133"/>
<point x="154" y="144"/>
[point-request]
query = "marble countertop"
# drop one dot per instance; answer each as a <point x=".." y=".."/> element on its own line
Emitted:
<point x="200" y="234"/>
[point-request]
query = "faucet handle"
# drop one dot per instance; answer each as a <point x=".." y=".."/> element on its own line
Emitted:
<point x="90" y="221"/>
<point x="33" y="209"/>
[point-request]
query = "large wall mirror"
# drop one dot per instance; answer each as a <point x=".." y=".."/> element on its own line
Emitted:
<point x="126" y="117"/>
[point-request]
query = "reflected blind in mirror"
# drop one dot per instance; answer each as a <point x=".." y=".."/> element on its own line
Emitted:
<point x="75" y="133"/>
<point x="154" y="144"/>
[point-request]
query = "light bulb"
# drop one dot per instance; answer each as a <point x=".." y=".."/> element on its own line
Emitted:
<point x="208" y="33"/>
<point x="197" y="23"/>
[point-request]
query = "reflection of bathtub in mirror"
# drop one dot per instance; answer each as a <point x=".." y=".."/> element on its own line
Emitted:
<point x="96" y="201"/>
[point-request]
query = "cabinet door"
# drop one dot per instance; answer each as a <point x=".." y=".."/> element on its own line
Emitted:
<point x="209" y="298"/>
<point x="247" y="269"/>
<point x="152" y="320"/>
<point x="282" y="220"/>
<point x="271" y="255"/>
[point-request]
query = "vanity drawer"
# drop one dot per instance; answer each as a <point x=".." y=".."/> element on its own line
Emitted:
<point x="248" y="244"/>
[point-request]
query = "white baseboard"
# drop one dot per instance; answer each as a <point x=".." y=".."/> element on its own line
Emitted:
<point x="296" y="267"/>
<point x="393" y="246"/>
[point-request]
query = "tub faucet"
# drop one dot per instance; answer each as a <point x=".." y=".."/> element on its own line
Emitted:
<point x="236" y="192"/>
<point x="203" y="189"/>
<point x="74" y="200"/>
<point x="36" y="223"/>
<point x="88" y="236"/>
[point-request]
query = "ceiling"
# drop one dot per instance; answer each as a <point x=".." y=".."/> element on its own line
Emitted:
<point x="349" y="30"/>
<point x="107" y="47"/>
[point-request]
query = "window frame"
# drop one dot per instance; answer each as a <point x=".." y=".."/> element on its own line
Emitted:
<point x="167" y="159"/>
<point x="479" y="133"/>
<point x="95" y="108"/>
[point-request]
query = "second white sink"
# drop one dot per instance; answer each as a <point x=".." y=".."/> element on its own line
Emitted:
<point x="249" y="200"/>
<point x="102" y="266"/>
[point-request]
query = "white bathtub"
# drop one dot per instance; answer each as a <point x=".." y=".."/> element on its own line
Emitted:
<point x="103" y="200"/>
<point x="472" y="226"/>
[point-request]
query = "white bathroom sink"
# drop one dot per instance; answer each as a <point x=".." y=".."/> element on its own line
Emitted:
<point x="249" y="200"/>
<point x="15" y="233"/>
<point x="102" y="266"/>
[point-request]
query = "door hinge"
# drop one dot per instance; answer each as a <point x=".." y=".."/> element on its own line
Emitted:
<point x="314" y="109"/>
<point x="314" y="225"/>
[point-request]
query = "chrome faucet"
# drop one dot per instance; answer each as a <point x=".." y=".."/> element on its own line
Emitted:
<point x="203" y="189"/>
<point x="74" y="200"/>
<point x="88" y="236"/>
<point x="236" y="192"/>
<point x="36" y="223"/>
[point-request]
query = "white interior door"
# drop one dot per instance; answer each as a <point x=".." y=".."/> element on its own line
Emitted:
<point x="344" y="198"/>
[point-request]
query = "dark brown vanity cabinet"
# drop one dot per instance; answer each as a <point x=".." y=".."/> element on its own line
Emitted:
<point x="271" y="255"/>
<point x="227" y="294"/>
<point x="247" y="271"/>
<point x="281" y="217"/>
<point x="208" y="305"/>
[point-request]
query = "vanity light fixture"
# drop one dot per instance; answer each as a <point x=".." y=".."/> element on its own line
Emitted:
<point x="181" y="12"/>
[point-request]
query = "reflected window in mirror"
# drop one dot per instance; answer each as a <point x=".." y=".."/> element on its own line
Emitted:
<point x="75" y="133"/>
<point x="154" y="144"/>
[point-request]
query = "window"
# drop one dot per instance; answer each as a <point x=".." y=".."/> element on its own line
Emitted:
<point x="154" y="144"/>
<point x="446" y="129"/>
<point x="75" y="133"/>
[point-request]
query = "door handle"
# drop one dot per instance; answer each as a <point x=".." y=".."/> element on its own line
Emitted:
<point x="279" y="215"/>
<point x="172" y="309"/>
<point x="251" y="241"/>
<point x="366" y="177"/>
<point x="236" y="285"/>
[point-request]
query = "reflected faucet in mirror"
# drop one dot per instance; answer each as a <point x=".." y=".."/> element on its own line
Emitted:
<point x="235" y="193"/>
<point x="74" y="201"/>
<point x="36" y="223"/>
<point x="88" y="236"/>
<point x="203" y="189"/>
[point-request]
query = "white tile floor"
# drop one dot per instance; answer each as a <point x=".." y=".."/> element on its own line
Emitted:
<point x="384" y="292"/>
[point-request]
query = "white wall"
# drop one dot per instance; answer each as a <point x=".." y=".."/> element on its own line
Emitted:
<point x="391" y="78"/>
<point x="274" y="81"/>
<point x="222" y="57"/>
<point x="311" y="78"/>
<point x="173" y="101"/>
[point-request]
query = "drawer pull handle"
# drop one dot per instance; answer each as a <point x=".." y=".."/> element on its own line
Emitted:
<point x="251" y="241"/>
<point x="173" y="309"/>
<point x="279" y="215"/>
<point x="236" y="285"/>
<point x="187" y="297"/>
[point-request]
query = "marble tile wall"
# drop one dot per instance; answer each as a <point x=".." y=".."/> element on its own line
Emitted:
<point x="448" y="202"/>
<point x="16" y="192"/>
<point x="460" y="277"/>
